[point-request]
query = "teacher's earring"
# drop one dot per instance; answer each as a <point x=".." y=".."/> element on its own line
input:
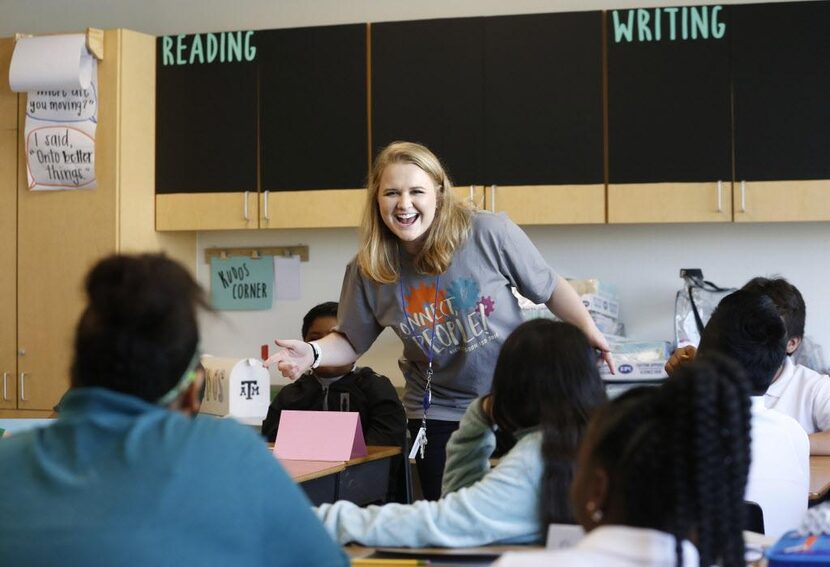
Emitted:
<point x="594" y="512"/>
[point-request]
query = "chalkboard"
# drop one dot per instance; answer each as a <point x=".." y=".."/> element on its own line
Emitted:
<point x="206" y="114"/>
<point x="781" y="61"/>
<point x="543" y="99"/>
<point x="314" y="126"/>
<point x="669" y="99"/>
<point x="427" y="87"/>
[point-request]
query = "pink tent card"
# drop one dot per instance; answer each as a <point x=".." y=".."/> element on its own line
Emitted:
<point x="319" y="436"/>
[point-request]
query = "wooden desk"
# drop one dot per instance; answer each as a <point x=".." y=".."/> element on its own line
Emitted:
<point x="819" y="477"/>
<point x="362" y="480"/>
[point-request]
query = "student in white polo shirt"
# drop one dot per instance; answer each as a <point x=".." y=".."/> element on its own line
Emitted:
<point x="747" y="328"/>
<point x="798" y="391"/>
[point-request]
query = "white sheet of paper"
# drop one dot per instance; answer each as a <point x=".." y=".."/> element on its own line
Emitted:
<point x="287" y="277"/>
<point x="562" y="536"/>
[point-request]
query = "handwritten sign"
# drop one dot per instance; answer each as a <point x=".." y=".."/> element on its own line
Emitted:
<point x="60" y="138"/>
<point x="241" y="283"/>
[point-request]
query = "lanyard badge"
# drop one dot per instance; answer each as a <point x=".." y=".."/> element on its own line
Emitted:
<point x="420" y="442"/>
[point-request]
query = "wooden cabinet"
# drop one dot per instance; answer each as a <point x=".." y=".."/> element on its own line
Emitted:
<point x="291" y="118"/>
<point x="487" y="96"/>
<point x="206" y="133"/>
<point x="60" y="234"/>
<point x="780" y="58"/>
<point x="669" y="115"/>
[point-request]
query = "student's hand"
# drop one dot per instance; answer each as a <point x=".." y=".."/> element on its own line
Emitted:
<point x="679" y="358"/>
<point x="293" y="359"/>
<point x="487" y="407"/>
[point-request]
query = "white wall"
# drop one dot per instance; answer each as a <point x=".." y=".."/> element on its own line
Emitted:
<point x="642" y="260"/>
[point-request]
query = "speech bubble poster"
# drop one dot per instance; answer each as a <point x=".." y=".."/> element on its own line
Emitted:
<point x="60" y="137"/>
<point x="241" y="283"/>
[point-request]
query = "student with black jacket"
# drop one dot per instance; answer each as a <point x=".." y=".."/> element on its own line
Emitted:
<point x="341" y="388"/>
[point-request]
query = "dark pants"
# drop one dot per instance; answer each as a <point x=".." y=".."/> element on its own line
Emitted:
<point x="431" y="467"/>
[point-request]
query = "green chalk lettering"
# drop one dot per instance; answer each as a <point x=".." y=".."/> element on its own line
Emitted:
<point x="196" y="51"/>
<point x="718" y="28"/>
<point x="250" y="50"/>
<point x="657" y="24"/>
<point x="235" y="46"/>
<point x="623" y="30"/>
<point x="672" y="12"/>
<point x="180" y="49"/>
<point x="222" y="48"/>
<point x="700" y="22"/>
<point x="212" y="47"/>
<point x="167" y="51"/>
<point x="684" y="30"/>
<point x="643" y="33"/>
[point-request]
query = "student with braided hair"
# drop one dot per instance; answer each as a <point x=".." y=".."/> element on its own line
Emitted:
<point x="659" y="467"/>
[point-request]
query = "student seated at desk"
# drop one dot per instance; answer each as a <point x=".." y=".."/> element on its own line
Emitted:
<point x="747" y="328"/>
<point x="545" y="386"/>
<point x="796" y="391"/>
<point x="341" y="388"/>
<point x="658" y="466"/>
<point x="127" y="475"/>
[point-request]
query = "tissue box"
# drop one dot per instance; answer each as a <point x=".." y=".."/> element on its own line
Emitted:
<point x="236" y="388"/>
<point x="794" y="550"/>
<point x="637" y="360"/>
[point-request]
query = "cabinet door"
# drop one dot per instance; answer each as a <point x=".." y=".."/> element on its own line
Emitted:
<point x="8" y="261"/>
<point x="313" y="100"/>
<point x="427" y="87"/>
<point x="781" y="58"/>
<point x="669" y="115"/>
<point x="543" y="130"/>
<point x="206" y="130"/>
<point x="8" y="235"/>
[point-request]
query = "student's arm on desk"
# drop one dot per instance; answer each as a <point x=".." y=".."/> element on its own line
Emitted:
<point x="290" y="531"/>
<point x="500" y="508"/>
<point x="820" y="443"/>
<point x="469" y="450"/>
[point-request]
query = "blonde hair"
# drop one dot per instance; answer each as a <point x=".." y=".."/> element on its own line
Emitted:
<point x="378" y="257"/>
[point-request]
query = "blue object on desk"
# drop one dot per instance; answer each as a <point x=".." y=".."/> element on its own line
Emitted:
<point x="22" y="424"/>
<point x="793" y="550"/>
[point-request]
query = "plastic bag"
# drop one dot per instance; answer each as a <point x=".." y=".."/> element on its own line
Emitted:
<point x="693" y="306"/>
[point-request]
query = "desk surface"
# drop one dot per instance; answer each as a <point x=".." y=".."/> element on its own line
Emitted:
<point x="819" y="476"/>
<point x="302" y="471"/>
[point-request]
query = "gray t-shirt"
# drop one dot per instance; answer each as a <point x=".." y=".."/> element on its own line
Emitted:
<point x="474" y="313"/>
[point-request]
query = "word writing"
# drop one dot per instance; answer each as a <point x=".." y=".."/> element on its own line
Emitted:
<point x="672" y="24"/>
<point x="225" y="47"/>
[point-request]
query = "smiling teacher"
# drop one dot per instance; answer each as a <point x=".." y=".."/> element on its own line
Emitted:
<point x="439" y="273"/>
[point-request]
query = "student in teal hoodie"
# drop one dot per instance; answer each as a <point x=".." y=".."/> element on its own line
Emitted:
<point x="126" y="476"/>
<point x="545" y="387"/>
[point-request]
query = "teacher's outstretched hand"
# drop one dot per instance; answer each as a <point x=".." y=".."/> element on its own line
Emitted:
<point x="293" y="358"/>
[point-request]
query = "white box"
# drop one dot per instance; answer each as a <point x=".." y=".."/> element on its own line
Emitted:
<point x="237" y="388"/>
<point x="599" y="304"/>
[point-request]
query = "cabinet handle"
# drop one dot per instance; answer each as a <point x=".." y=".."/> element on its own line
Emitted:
<point x="743" y="196"/>
<point x="720" y="195"/>
<point x="492" y="198"/>
<point x="245" y="206"/>
<point x="472" y="195"/>
<point x="23" y="387"/>
<point x="5" y="391"/>
<point x="266" y="214"/>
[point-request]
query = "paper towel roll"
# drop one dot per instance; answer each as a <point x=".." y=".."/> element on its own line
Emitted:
<point x="51" y="62"/>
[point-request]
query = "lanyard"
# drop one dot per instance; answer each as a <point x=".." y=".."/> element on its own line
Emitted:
<point x="427" y="400"/>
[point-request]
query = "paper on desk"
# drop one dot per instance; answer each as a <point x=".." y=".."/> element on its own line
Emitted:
<point x="319" y="436"/>
<point x="287" y="277"/>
